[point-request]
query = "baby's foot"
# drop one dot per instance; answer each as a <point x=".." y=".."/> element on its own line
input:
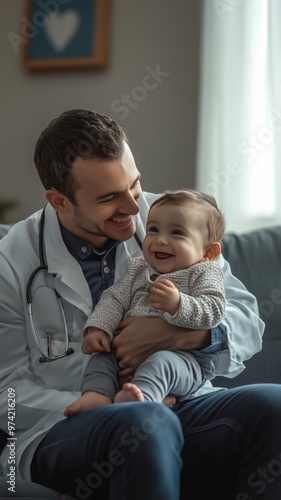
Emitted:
<point x="87" y="401"/>
<point x="73" y="408"/>
<point x="128" y="393"/>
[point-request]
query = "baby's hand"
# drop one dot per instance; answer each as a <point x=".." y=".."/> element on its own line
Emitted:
<point x="165" y="296"/>
<point x="95" y="341"/>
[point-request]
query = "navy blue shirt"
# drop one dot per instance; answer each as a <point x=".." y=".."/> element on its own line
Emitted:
<point x="98" y="266"/>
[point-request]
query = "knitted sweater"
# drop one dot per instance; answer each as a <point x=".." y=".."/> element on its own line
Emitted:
<point x="202" y="299"/>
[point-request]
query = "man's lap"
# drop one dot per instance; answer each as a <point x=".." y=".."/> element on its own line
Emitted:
<point x="231" y="437"/>
<point x="84" y="451"/>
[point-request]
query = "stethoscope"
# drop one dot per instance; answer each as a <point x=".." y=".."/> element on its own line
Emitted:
<point x="49" y="335"/>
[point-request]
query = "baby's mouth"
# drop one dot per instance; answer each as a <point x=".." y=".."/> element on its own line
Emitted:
<point x="162" y="255"/>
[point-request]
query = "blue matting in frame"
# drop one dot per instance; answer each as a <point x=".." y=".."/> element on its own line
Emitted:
<point x="67" y="32"/>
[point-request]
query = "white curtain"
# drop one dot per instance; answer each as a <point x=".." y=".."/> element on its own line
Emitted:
<point x="239" y="134"/>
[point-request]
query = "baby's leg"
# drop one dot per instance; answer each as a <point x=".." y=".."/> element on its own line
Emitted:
<point x="99" y="384"/>
<point x="129" y="393"/>
<point x="165" y="373"/>
<point x="87" y="401"/>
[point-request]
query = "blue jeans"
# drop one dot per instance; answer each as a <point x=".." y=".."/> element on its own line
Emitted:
<point x="123" y="451"/>
<point x="231" y="451"/>
<point x="232" y="447"/>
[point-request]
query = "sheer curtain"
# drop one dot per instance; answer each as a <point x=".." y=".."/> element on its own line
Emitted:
<point x="239" y="135"/>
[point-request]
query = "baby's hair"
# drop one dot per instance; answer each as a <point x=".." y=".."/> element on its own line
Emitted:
<point x="214" y="218"/>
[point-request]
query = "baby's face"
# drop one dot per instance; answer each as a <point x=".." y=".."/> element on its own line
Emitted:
<point x="174" y="238"/>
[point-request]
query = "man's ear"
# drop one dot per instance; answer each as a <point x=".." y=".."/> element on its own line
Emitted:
<point x="213" y="250"/>
<point x="59" y="201"/>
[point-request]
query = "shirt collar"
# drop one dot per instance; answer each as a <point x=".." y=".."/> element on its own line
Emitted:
<point x="82" y="249"/>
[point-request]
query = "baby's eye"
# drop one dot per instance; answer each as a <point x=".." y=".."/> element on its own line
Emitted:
<point x="152" y="229"/>
<point x="178" y="232"/>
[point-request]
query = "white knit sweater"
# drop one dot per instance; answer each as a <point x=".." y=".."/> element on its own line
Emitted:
<point x="201" y="289"/>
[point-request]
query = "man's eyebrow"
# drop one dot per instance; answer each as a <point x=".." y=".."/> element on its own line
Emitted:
<point x="112" y="193"/>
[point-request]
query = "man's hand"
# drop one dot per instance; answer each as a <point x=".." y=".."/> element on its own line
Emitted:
<point x="141" y="337"/>
<point x="95" y="340"/>
<point x="165" y="296"/>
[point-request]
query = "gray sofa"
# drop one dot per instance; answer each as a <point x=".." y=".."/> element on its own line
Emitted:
<point x="255" y="258"/>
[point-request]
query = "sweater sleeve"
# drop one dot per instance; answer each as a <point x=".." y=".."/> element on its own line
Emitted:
<point x="203" y="306"/>
<point x="113" y="304"/>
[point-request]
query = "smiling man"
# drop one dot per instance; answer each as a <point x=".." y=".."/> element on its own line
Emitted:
<point x="105" y="200"/>
<point x="82" y="242"/>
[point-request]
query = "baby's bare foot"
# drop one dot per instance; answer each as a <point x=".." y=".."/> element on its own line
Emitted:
<point x="128" y="393"/>
<point x="87" y="401"/>
<point x="73" y="408"/>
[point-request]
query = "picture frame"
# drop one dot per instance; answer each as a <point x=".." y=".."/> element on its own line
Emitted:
<point x="66" y="34"/>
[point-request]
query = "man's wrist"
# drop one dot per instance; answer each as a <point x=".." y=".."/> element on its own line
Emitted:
<point x="218" y="339"/>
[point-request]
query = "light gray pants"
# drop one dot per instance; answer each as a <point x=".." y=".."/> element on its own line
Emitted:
<point x="165" y="372"/>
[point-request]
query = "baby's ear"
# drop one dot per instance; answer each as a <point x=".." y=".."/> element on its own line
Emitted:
<point x="213" y="250"/>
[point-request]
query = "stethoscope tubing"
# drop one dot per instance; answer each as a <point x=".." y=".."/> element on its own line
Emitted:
<point x="43" y="266"/>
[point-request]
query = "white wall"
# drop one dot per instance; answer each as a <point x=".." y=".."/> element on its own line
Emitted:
<point x="161" y="129"/>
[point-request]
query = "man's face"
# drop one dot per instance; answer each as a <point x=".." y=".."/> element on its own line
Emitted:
<point x="105" y="199"/>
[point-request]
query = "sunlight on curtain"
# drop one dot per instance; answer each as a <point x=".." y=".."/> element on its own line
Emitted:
<point x="239" y="131"/>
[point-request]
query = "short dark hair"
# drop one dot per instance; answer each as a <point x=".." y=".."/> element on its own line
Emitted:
<point x="77" y="133"/>
<point x="214" y="218"/>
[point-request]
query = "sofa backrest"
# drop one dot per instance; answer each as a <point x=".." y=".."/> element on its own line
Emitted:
<point x="255" y="258"/>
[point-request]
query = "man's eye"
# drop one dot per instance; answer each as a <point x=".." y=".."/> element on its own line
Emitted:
<point x="109" y="198"/>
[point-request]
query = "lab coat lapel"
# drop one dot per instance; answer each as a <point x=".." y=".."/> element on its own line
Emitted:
<point x="69" y="280"/>
<point x="125" y="253"/>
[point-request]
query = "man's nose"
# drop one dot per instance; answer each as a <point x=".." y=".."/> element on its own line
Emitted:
<point x="130" y="205"/>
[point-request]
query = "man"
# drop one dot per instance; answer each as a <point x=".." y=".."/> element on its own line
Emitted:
<point x="88" y="232"/>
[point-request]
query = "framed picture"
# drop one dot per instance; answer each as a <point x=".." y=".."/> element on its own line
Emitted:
<point x="66" y="34"/>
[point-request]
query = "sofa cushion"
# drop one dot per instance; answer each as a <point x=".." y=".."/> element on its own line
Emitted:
<point x="255" y="258"/>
